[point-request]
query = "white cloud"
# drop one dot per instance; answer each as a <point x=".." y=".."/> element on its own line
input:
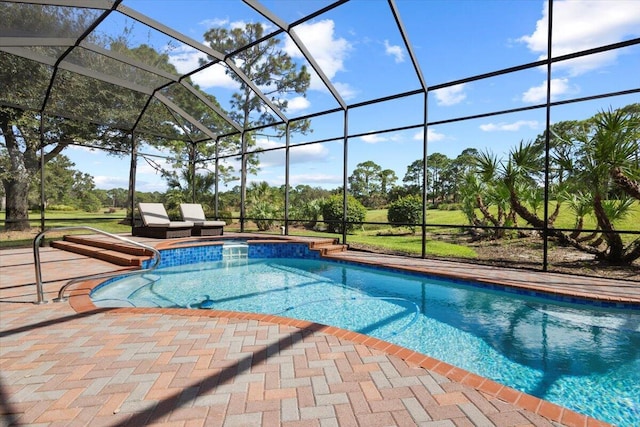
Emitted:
<point x="235" y="25"/>
<point x="315" y="179"/>
<point x="345" y="90"/>
<point x="312" y="153"/>
<point x="266" y="143"/>
<point x="143" y="184"/>
<point x="450" y="95"/>
<point x="511" y="127"/>
<point x="373" y="138"/>
<point x="145" y="168"/>
<point x="147" y="178"/>
<point x="187" y="59"/>
<point x="539" y="93"/>
<point x="432" y="135"/>
<point x="309" y="154"/>
<point x="394" y="50"/>
<point x="150" y="186"/>
<point x="214" y="76"/>
<point x="299" y="103"/>
<point x="583" y="24"/>
<point x="214" y="23"/>
<point x="108" y="182"/>
<point x="329" y="51"/>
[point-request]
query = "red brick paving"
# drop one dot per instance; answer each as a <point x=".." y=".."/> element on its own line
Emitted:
<point x="169" y="367"/>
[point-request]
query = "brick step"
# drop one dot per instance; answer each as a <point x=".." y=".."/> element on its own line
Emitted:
<point x="112" y="256"/>
<point x="324" y="242"/>
<point x="328" y="247"/>
<point x="336" y="248"/>
<point x="108" y="244"/>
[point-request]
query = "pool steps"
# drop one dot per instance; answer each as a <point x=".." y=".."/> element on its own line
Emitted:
<point x="130" y="256"/>
<point x="114" y="252"/>
<point x="235" y="251"/>
<point x="327" y="247"/>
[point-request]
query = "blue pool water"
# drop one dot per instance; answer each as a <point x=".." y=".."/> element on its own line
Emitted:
<point x="583" y="357"/>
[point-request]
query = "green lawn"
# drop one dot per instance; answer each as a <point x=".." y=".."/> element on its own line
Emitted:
<point x="566" y="219"/>
<point x="108" y="222"/>
<point x="413" y="245"/>
<point x="434" y="216"/>
<point x="376" y="235"/>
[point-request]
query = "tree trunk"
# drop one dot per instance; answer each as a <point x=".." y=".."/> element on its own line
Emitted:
<point x="524" y="213"/>
<point x="498" y="233"/>
<point x="614" y="241"/>
<point x="554" y="215"/>
<point x="17" y="216"/>
<point x="578" y="228"/>
<point x="16" y="181"/>
<point x="630" y="186"/>
<point x="485" y="211"/>
<point x="633" y="252"/>
<point x="533" y="219"/>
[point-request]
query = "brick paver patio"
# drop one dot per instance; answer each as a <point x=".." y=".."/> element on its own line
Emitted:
<point x="118" y="367"/>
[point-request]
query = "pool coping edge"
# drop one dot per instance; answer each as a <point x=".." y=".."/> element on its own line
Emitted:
<point x="80" y="301"/>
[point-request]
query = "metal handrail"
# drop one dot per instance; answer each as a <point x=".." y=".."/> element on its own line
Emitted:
<point x="36" y="258"/>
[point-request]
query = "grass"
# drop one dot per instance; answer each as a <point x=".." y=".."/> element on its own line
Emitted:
<point x="413" y="245"/>
<point x="105" y="222"/>
<point x="566" y="218"/>
<point x="368" y="236"/>
<point x="434" y="216"/>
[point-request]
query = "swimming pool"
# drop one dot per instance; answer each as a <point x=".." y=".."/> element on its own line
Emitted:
<point x="583" y="357"/>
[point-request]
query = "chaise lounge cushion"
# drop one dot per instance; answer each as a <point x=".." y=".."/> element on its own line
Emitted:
<point x="202" y="227"/>
<point x="156" y="223"/>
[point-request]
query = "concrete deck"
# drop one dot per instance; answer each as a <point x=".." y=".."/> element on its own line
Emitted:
<point x="73" y="364"/>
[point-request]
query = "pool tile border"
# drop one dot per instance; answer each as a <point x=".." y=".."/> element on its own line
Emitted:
<point x="502" y="285"/>
<point x="81" y="302"/>
<point x="269" y="247"/>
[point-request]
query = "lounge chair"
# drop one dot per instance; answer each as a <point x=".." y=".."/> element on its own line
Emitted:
<point x="156" y="223"/>
<point x="193" y="212"/>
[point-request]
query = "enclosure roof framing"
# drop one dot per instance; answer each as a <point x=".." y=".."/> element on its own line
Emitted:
<point x="87" y="54"/>
<point x="81" y="53"/>
<point x="105" y="62"/>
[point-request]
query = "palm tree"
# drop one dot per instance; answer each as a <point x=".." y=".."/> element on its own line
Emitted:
<point x="264" y="205"/>
<point x="595" y="168"/>
<point x="187" y="188"/>
<point x="606" y="166"/>
<point x="495" y="192"/>
<point x="581" y="205"/>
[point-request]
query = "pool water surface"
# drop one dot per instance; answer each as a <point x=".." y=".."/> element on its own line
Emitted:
<point x="583" y="357"/>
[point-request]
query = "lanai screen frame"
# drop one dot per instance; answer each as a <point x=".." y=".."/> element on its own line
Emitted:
<point x="109" y="7"/>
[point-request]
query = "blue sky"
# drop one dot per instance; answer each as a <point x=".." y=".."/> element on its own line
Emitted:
<point x="361" y="51"/>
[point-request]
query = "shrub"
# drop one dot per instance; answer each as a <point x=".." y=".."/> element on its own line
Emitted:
<point x="90" y="203"/>
<point x="174" y="213"/>
<point x="60" y="208"/>
<point x="309" y="213"/>
<point x="406" y="209"/>
<point x="226" y="216"/>
<point x="263" y="214"/>
<point x="450" y="206"/>
<point x="332" y="213"/>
